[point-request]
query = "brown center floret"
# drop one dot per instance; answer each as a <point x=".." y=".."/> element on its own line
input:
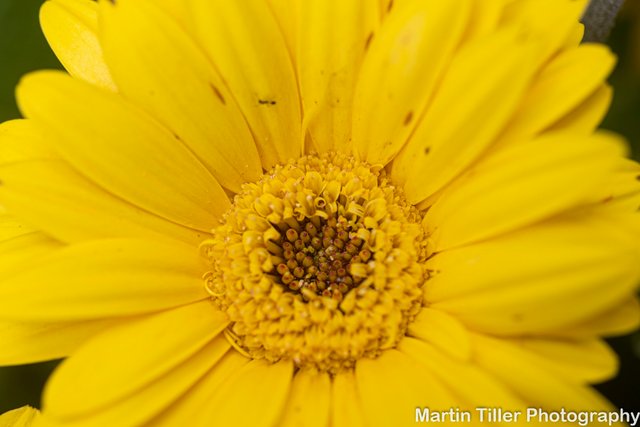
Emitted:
<point x="315" y="257"/>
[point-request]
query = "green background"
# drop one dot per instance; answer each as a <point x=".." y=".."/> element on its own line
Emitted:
<point x="23" y="48"/>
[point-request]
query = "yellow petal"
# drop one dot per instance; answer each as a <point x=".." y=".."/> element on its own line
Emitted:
<point x="586" y="117"/>
<point x="308" y="403"/>
<point x="520" y="185"/>
<point x="20" y="253"/>
<point x="129" y="154"/>
<point x="261" y="79"/>
<point x="286" y="13"/>
<point x="553" y="22"/>
<point x="453" y="133"/>
<point x="406" y="59"/>
<point x="579" y="361"/>
<point x="71" y="28"/>
<point x="197" y="399"/>
<point x="346" y="408"/>
<point x="21" y="417"/>
<point x="22" y="140"/>
<point x="334" y="36"/>
<point x="562" y="85"/>
<point x="622" y="319"/>
<point x="486" y="18"/>
<point x="393" y="385"/>
<point x="179" y="10"/>
<point x="58" y="200"/>
<point x="619" y="193"/>
<point x="263" y="385"/>
<point x="138" y="352"/>
<point x="442" y="331"/>
<point x="528" y="377"/>
<point x="539" y="279"/>
<point x="149" y="402"/>
<point x="11" y="227"/>
<point x="156" y="65"/>
<point x="24" y="343"/>
<point x="104" y="278"/>
<point x="474" y="386"/>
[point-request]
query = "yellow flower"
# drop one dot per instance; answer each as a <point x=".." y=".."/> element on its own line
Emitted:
<point x="315" y="212"/>
<point x="21" y="417"/>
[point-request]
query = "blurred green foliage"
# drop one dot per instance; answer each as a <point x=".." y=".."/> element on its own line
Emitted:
<point x="23" y="49"/>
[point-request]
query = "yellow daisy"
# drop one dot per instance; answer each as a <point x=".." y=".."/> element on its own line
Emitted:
<point x="315" y="212"/>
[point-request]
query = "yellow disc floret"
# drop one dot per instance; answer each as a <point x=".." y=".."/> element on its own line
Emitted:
<point x="319" y="262"/>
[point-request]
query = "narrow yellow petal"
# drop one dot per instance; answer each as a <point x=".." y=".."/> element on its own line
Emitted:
<point x="10" y="227"/>
<point x="192" y="404"/>
<point x="404" y="62"/>
<point x="474" y="386"/>
<point x="140" y="352"/>
<point x="286" y="13"/>
<point x="20" y="253"/>
<point x="263" y="384"/>
<point x="519" y="185"/>
<point x="588" y="115"/>
<point x="104" y="278"/>
<point x="346" y="408"/>
<point x="619" y="193"/>
<point x="261" y="79"/>
<point x="553" y="22"/>
<point x="52" y="196"/>
<point x="527" y="376"/>
<point x="142" y="406"/>
<point x="486" y="18"/>
<point x="334" y="36"/>
<point x="180" y="10"/>
<point x="24" y="343"/>
<point x="622" y="319"/>
<point x="562" y="86"/>
<point x="309" y="399"/>
<point x="579" y="361"/>
<point x="156" y="65"/>
<point x="21" y="417"/>
<point x="443" y="331"/>
<point x="71" y="28"/>
<point x="22" y="140"/>
<point x="556" y="274"/>
<point x="147" y="156"/>
<point x="393" y="385"/>
<point x="452" y="133"/>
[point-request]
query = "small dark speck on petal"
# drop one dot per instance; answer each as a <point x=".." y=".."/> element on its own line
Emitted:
<point x="219" y="95"/>
<point x="390" y="6"/>
<point x="368" y="41"/>
<point x="638" y="177"/>
<point x="266" y="102"/>
<point x="408" y="118"/>
<point x="427" y="150"/>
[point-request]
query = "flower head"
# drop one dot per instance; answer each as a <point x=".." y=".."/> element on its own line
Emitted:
<point x="283" y="212"/>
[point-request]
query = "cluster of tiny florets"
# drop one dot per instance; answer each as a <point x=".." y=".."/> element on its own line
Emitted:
<point x="320" y="262"/>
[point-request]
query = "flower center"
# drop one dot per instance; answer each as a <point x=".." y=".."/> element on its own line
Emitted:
<point x="319" y="262"/>
<point x="316" y="256"/>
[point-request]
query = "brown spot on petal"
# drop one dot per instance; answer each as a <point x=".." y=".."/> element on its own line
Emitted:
<point x="408" y="118"/>
<point x="218" y="94"/>
<point x="368" y="41"/>
<point x="427" y="150"/>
